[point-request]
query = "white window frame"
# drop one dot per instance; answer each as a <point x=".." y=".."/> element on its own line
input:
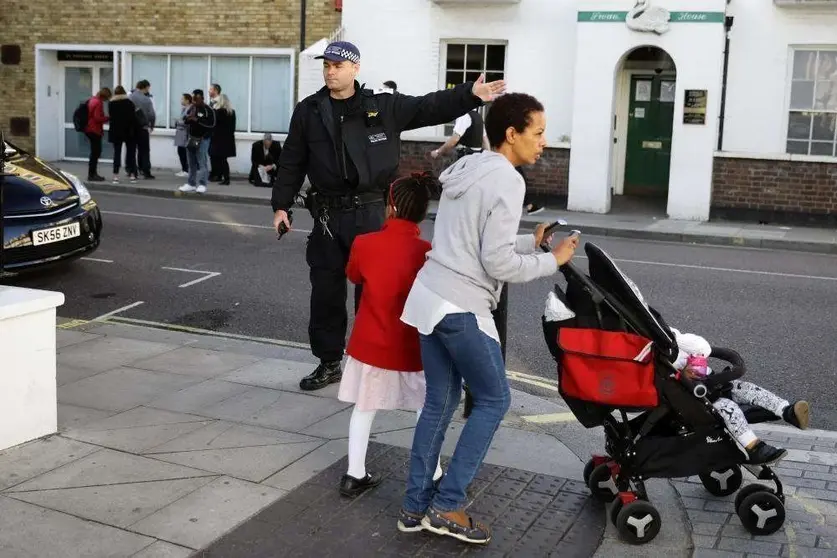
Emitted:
<point x="443" y="63"/>
<point x="792" y="50"/>
<point x="221" y="52"/>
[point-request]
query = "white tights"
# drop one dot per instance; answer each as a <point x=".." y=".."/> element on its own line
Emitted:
<point x="360" y="427"/>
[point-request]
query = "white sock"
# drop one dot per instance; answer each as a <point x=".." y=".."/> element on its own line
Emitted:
<point x="438" y="474"/>
<point x="360" y="426"/>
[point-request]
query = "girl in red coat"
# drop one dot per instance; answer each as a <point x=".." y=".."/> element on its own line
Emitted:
<point x="384" y="369"/>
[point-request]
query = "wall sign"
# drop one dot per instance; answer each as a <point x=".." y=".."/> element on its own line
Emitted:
<point x="85" y="56"/>
<point x="694" y="106"/>
<point x="674" y="17"/>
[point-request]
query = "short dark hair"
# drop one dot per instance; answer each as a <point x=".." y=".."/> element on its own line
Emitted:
<point x="391" y="84"/>
<point x="197" y="92"/>
<point x="512" y="110"/>
<point x="411" y="195"/>
<point x="143" y="84"/>
<point x="119" y="90"/>
<point x="216" y="86"/>
<point x="187" y="97"/>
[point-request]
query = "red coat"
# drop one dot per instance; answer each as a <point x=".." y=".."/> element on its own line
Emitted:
<point x="96" y="116"/>
<point x="386" y="264"/>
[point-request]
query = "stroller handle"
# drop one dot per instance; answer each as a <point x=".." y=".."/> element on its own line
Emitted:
<point x="736" y="371"/>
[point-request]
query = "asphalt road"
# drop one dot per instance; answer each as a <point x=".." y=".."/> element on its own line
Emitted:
<point x="776" y="308"/>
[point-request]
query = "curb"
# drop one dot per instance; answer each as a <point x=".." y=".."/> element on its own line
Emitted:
<point x="173" y="193"/>
<point x="614" y="232"/>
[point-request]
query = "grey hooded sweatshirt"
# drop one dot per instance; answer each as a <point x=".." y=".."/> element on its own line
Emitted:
<point x="476" y="248"/>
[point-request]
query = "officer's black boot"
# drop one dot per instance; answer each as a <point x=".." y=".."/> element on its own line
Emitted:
<point x="326" y="373"/>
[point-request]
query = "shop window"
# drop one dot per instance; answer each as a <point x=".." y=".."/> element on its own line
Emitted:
<point x="259" y="87"/>
<point x="466" y="61"/>
<point x="812" y="118"/>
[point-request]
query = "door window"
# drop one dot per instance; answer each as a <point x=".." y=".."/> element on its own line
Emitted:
<point x="81" y="83"/>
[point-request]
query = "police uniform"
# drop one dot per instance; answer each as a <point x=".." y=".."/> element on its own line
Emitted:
<point x="470" y="129"/>
<point x="350" y="150"/>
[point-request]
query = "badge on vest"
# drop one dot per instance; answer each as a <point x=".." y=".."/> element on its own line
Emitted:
<point x="373" y="119"/>
<point x="377" y="138"/>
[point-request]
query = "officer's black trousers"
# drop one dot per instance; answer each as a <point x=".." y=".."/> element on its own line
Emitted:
<point x="327" y="259"/>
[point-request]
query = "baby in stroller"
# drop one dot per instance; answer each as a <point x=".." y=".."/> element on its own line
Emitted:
<point x="694" y="350"/>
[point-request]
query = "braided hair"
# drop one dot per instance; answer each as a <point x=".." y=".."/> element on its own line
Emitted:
<point x="410" y="195"/>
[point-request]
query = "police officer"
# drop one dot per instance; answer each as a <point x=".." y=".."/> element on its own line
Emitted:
<point x="347" y="140"/>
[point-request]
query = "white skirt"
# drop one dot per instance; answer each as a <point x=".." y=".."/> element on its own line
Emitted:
<point x="377" y="389"/>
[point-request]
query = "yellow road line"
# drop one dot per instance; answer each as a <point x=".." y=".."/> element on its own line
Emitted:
<point x="72" y="323"/>
<point x="549" y="418"/>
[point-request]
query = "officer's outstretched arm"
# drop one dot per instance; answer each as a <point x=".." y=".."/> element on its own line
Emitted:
<point x="293" y="163"/>
<point x="439" y="107"/>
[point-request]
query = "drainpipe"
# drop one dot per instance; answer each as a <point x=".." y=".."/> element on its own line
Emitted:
<point x="302" y="5"/>
<point x="727" y="26"/>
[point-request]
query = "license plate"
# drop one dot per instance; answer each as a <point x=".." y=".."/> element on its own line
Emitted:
<point x="55" y="234"/>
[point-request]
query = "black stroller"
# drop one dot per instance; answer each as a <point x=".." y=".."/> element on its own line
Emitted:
<point x="615" y="357"/>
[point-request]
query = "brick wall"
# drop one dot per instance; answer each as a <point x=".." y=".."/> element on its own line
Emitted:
<point x="243" y="23"/>
<point x="774" y="191"/>
<point x="548" y="178"/>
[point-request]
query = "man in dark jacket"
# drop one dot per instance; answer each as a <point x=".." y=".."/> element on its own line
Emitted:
<point x="265" y="153"/>
<point x="200" y="122"/>
<point x="347" y="139"/>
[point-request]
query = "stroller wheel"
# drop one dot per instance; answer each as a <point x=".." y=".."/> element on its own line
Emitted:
<point x="746" y="491"/>
<point x="602" y="484"/>
<point x="722" y="482"/>
<point x="613" y="514"/>
<point x="762" y="513"/>
<point x="638" y="522"/>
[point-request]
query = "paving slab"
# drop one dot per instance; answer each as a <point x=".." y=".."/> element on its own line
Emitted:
<point x="196" y="362"/>
<point x="135" y="439"/>
<point x="28" y="531"/>
<point x="121" y="389"/>
<point x="278" y="374"/>
<point x="217" y="507"/>
<point x="199" y="397"/>
<point x="67" y="337"/>
<point x="72" y="416"/>
<point x="337" y="426"/>
<point x="107" y="353"/>
<point x="161" y="549"/>
<point x="27" y="461"/>
<point x="310" y="465"/>
<point x="544" y="515"/>
<point x="229" y="435"/>
<point x="68" y="374"/>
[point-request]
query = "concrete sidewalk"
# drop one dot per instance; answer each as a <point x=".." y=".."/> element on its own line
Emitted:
<point x="627" y="225"/>
<point x="176" y="445"/>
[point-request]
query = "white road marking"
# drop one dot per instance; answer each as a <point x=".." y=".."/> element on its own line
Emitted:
<point x="104" y="317"/>
<point x="725" y="269"/>
<point x="96" y="260"/>
<point x="201" y="221"/>
<point x="207" y="275"/>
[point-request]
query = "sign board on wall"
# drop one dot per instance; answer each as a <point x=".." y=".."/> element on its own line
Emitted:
<point x="694" y="106"/>
<point x="85" y="56"/>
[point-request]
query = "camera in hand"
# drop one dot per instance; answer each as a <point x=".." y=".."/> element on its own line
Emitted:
<point x="283" y="228"/>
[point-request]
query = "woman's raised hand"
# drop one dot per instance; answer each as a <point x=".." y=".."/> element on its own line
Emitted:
<point x="565" y="250"/>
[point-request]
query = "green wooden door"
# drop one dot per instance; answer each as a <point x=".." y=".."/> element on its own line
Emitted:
<point x="650" y="119"/>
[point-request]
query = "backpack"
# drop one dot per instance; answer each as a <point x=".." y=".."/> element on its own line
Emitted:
<point x="80" y="117"/>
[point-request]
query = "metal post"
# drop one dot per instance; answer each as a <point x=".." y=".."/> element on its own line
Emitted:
<point x="2" y="180"/>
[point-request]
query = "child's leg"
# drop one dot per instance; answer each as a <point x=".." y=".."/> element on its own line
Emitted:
<point x="796" y="414"/>
<point x="736" y="422"/>
<point x="438" y="474"/>
<point x="360" y="426"/>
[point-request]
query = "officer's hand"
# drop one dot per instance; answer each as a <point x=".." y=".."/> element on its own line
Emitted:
<point x="488" y="91"/>
<point x="281" y="217"/>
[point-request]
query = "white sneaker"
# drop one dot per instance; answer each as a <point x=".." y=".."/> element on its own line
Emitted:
<point x="201" y="189"/>
<point x="181" y="174"/>
<point x="187" y="188"/>
<point x="116" y="179"/>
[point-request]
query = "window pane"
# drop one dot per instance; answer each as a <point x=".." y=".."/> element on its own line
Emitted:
<point x="76" y="144"/>
<point x="153" y="68"/>
<point x="826" y="65"/>
<point x="454" y="78"/>
<point x="472" y="76"/>
<point x="822" y="148"/>
<point x="456" y="57"/>
<point x="233" y="75"/>
<point x="799" y="125"/>
<point x="78" y="86"/>
<point x="667" y="91"/>
<point x="495" y="58"/>
<point x="476" y="57"/>
<point x="804" y="64"/>
<point x="493" y="77"/>
<point x="802" y="95"/>
<point x="187" y="74"/>
<point x="272" y="81"/>
<point x="798" y="147"/>
<point x="824" y="125"/>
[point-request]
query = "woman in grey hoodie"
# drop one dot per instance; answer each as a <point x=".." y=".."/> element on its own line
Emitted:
<point x="476" y="249"/>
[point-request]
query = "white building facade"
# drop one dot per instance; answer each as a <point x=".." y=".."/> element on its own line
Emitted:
<point x="718" y="106"/>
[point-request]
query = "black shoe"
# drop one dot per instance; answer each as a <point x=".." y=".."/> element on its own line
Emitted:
<point x="763" y="454"/>
<point x="458" y="525"/>
<point x="96" y="178"/>
<point x="798" y="414"/>
<point x="326" y="373"/>
<point x="533" y="209"/>
<point x="225" y="182"/>
<point x="352" y="487"/>
<point x="149" y="176"/>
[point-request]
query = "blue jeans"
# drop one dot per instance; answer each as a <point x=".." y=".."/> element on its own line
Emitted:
<point x="199" y="163"/>
<point x="456" y="350"/>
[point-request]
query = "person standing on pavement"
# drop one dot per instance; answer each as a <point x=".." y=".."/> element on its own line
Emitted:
<point x="123" y="131"/>
<point x="347" y="140"/>
<point x="222" y="144"/>
<point x="181" y="134"/>
<point x="95" y="130"/>
<point x="476" y="249"/>
<point x="147" y="119"/>
<point x="201" y="121"/>
<point x="214" y="168"/>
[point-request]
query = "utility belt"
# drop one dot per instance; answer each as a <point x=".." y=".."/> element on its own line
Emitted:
<point x="462" y="151"/>
<point x="316" y="202"/>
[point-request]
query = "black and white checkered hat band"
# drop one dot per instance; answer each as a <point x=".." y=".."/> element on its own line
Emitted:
<point x="343" y="53"/>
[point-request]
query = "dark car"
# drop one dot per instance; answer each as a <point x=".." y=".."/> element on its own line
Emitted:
<point x="48" y="214"/>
